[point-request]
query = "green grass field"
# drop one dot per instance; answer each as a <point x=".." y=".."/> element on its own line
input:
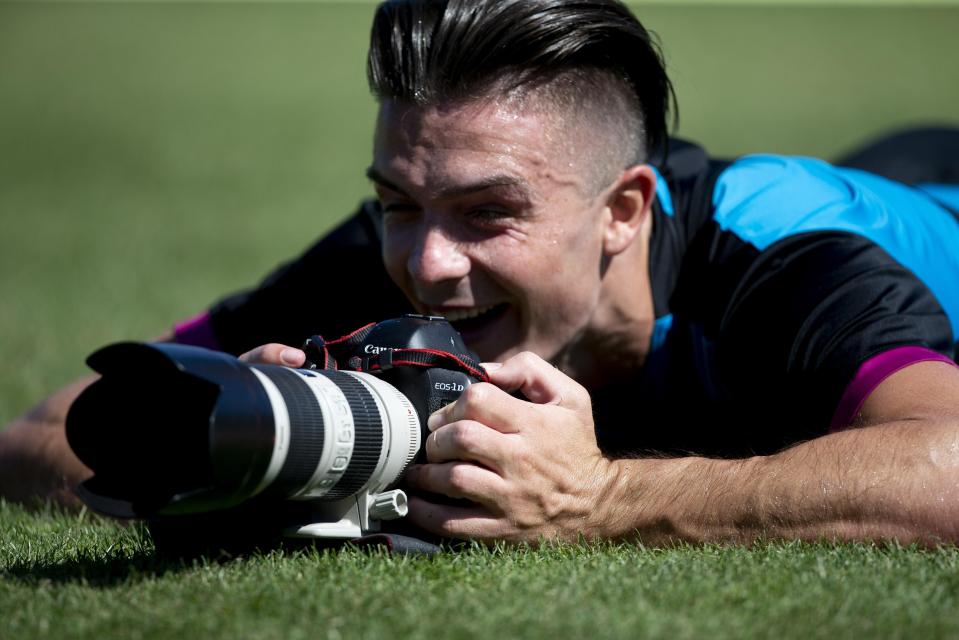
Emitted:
<point x="64" y="577"/>
<point x="156" y="156"/>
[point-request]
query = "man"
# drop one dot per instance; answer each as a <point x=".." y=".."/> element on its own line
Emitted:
<point x="679" y="348"/>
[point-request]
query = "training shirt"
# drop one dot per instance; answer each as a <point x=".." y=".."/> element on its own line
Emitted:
<point x="785" y="290"/>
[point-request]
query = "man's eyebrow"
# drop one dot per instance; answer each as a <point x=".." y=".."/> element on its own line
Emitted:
<point x="378" y="178"/>
<point x="489" y="182"/>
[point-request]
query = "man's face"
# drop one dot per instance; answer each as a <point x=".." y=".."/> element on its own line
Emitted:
<point x="489" y="221"/>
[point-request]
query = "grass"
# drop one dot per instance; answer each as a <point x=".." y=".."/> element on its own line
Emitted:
<point x="155" y="156"/>
<point x="64" y="577"/>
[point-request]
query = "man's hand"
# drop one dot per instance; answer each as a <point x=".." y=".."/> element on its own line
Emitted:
<point x="532" y="467"/>
<point x="534" y="471"/>
<point x="273" y="353"/>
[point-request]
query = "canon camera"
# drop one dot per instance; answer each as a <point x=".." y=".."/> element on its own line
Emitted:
<point x="172" y="431"/>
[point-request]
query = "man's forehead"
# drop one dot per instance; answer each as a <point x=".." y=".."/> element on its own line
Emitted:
<point x="467" y="142"/>
<point x="492" y="124"/>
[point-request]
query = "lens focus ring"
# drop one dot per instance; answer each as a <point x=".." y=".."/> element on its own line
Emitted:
<point x="368" y="430"/>
<point x="306" y="431"/>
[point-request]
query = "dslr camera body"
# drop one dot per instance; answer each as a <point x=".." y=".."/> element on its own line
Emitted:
<point x="181" y="435"/>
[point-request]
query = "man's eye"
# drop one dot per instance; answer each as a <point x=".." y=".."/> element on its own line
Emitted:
<point x="398" y="207"/>
<point x="487" y="214"/>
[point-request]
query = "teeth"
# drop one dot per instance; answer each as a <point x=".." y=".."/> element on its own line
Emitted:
<point x="455" y="315"/>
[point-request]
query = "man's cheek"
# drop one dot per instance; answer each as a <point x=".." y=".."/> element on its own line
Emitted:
<point x="394" y="259"/>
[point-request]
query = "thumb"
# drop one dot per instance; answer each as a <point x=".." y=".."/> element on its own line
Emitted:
<point x="274" y="353"/>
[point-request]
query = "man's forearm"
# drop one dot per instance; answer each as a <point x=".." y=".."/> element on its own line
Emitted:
<point x="36" y="463"/>
<point x="894" y="481"/>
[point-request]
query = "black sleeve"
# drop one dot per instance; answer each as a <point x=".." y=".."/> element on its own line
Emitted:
<point x="810" y="310"/>
<point x="337" y="285"/>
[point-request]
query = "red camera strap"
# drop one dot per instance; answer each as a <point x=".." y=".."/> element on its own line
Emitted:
<point x="324" y="354"/>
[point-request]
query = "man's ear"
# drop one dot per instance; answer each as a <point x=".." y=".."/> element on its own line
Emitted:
<point x="628" y="207"/>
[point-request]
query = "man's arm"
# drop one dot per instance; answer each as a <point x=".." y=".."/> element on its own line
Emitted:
<point x="36" y="463"/>
<point x="535" y="471"/>
<point x="896" y="477"/>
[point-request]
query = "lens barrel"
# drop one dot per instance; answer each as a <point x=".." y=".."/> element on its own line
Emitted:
<point x="343" y="430"/>
<point x="241" y="431"/>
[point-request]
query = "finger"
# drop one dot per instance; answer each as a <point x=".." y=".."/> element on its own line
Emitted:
<point x="454" y="521"/>
<point x="468" y="440"/>
<point x="457" y="480"/>
<point x="539" y="381"/>
<point x="484" y="403"/>
<point x="274" y="353"/>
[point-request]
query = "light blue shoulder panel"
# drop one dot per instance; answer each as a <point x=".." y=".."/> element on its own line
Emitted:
<point x="948" y="194"/>
<point x="764" y="199"/>
<point x="662" y="193"/>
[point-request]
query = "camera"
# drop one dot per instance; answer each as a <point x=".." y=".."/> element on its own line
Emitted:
<point x="181" y="434"/>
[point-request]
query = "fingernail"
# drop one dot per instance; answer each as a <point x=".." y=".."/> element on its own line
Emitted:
<point x="492" y="366"/>
<point x="434" y="421"/>
<point x="292" y="356"/>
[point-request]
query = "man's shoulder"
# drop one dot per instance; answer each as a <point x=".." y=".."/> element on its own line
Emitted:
<point x="765" y="197"/>
<point x="771" y="201"/>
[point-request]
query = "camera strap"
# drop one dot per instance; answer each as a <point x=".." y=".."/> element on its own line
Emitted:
<point x="331" y="354"/>
<point x="322" y="353"/>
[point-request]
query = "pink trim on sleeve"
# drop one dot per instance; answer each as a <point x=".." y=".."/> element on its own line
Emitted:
<point x="196" y="331"/>
<point x="871" y="374"/>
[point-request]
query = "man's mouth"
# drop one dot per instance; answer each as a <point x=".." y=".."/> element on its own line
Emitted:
<point x="474" y="319"/>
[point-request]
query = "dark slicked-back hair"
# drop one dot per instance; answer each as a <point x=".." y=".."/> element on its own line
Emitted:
<point x="427" y="52"/>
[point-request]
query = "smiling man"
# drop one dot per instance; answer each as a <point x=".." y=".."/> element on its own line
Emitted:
<point x="492" y="224"/>
<point x="679" y="347"/>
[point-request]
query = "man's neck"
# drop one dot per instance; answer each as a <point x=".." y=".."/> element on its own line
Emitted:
<point x="617" y="341"/>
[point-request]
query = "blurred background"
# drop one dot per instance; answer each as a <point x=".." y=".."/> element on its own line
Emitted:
<point x="155" y="156"/>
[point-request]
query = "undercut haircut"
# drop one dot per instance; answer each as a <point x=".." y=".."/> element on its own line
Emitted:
<point x="589" y="57"/>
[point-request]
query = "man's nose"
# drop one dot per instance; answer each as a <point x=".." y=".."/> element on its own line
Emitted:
<point x="435" y="257"/>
